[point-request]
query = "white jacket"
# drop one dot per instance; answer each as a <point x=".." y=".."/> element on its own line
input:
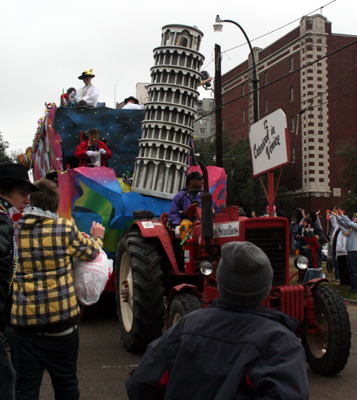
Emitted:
<point x="89" y="94"/>
<point x="341" y="238"/>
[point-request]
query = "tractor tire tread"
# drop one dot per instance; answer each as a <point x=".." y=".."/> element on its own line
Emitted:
<point x="148" y="314"/>
<point x="339" y="326"/>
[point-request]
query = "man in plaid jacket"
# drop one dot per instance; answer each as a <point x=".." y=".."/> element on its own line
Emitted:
<point x="45" y="310"/>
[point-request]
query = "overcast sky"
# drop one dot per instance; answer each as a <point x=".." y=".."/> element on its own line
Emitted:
<point x="45" y="46"/>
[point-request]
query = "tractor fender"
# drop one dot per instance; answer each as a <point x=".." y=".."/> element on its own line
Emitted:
<point x="183" y="288"/>
<point x="315" y="282"/>
<point x="155" y="229"/>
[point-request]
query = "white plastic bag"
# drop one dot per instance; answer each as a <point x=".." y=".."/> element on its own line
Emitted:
<point x="95" y="158"/>
<point x="90" y="277"/>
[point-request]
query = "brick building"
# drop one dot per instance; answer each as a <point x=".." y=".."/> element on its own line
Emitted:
<point x="310" y="73"/>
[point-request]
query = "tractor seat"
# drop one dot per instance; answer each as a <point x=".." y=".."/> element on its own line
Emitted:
<point x="163" y="218"/>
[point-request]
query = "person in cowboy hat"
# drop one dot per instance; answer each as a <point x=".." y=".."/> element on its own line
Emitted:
<point x="45" y="310"/>
<point x="88" y="92"/>
<point x="132" y="103"/>
<point x="15" y="188"/>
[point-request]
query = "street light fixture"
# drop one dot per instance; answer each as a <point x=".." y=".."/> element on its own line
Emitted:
<point x="217" y="27"/>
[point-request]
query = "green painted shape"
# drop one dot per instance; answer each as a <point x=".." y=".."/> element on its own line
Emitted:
<point x="98" y="204"/>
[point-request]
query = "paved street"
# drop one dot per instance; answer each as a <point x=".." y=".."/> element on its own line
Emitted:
<point x="104" y="365"/>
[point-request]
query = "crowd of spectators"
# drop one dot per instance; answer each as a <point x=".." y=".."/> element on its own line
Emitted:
<point x="308" y="239"/>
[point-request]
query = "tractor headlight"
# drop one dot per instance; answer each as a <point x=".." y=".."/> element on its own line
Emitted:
<point x="301" y="263"/>
<point x="206" y="268"/>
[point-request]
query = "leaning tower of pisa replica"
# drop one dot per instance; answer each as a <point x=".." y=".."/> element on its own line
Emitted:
<point x="164" y="148"/>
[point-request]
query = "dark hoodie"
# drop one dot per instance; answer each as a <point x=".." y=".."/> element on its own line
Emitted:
<point x="6" y="265"/>
<point x="225" y="353"/>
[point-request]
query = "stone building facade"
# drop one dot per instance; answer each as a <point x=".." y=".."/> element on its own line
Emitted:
<point x="167" y="129"/>
<point x="204" y="128"/>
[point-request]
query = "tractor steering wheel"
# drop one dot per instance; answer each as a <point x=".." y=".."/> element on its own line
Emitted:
<point x="193" y="191"/>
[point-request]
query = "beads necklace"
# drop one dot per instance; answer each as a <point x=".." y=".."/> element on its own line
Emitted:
<point x="85" y="90"/>
<point x="93" y="147"/>
<point x="349" y="232"/>
<point x="3" y="210"/>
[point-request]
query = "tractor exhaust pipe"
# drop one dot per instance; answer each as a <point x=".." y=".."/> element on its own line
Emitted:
<point x="207" y="211"/>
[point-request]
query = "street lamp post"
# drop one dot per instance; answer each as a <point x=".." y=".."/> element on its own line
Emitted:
<point x="218" y="26"/>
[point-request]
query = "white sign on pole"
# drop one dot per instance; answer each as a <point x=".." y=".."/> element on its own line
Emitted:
<point x="269" y="143"/>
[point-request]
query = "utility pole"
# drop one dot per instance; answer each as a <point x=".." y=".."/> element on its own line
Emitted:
<point x="218" y="105"/>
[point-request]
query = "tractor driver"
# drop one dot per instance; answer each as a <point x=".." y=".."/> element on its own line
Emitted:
<point x="192" y="192"/>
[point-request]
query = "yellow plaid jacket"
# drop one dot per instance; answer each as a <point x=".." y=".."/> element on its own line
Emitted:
<point x="43" y="290"/>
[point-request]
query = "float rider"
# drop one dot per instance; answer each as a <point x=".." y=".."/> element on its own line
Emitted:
<point x="88" y="93"/>
<point x="92" y="152"/>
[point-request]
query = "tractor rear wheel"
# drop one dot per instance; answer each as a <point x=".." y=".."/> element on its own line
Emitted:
<point x="181" y="305"/>
<point x="327" y="353"/>
<point x="139" y="291"/>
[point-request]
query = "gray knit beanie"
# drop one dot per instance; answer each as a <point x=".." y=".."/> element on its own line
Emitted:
<point x="244" y="274"/>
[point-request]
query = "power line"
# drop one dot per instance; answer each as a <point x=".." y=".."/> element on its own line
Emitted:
<point x="277" y="29"/>
<point x="267" y="34"/>
<point x="246" y="131"/>
<point x="282" y="77"/>
<point x="312" y="98"/>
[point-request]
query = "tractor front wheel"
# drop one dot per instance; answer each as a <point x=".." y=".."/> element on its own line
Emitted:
<point x="181" y="305"/>
<point x="139" y="291"/>
<point x="328" y="352"/>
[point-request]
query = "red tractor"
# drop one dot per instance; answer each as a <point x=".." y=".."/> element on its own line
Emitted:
<point x="154" y="282"/>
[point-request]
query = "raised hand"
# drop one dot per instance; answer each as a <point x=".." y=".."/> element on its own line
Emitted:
<point x="97" y="230"/>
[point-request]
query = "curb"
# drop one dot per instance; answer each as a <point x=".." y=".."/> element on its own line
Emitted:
<point x="349" y="301"/>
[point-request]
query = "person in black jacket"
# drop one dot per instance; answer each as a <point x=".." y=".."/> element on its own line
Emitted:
<point x="15" y="188"/>
<point x="235" y="349"/>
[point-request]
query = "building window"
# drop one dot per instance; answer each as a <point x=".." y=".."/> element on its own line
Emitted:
<point x="266" y="77"/>
<point x="266" y="105"/>
<point x="211" y="104"/>
<point x="202" y="121"/>
<point x="292" y="154"/>
<point x="203" y="131"/>
<point x="291" y="63"/>
<point x="243" y="115"/>
<point x="243" y="90"/>
<point x="291" y="94"/>
<point x="292" y="124"/>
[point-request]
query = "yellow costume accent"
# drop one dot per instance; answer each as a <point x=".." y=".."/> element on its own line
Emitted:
<point x="186" y="229"/>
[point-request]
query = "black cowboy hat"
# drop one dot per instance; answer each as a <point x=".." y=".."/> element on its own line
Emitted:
<point x="132" y="98"/>
<point x="86" y="74"/>
<point x="15" y="174"/>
